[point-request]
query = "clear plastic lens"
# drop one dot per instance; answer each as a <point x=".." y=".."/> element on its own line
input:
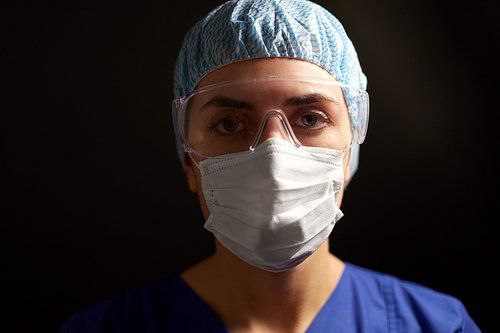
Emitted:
<point x="236" y="116"/>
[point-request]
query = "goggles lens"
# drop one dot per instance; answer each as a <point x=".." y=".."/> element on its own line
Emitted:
<point x="235" y="116"/>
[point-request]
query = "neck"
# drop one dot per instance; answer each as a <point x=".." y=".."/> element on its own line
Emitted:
<point x="247" y="298"/>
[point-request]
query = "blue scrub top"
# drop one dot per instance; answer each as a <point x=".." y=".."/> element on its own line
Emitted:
<point x="364" y="301"/>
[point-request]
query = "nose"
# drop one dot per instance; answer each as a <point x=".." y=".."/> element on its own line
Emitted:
<point x="275" y="125"/>
<point x="273" y="128"/>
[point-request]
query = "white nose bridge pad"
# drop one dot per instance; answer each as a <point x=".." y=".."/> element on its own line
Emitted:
<point x="274" y="124"/>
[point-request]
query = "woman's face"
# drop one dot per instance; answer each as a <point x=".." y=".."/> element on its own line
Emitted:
<point x="259" y="68"/>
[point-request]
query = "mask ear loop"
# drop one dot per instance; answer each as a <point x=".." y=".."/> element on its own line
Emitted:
<point x="195" y="163"/>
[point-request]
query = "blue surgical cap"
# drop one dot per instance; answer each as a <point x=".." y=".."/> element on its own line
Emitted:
<point x="250" y="29"/>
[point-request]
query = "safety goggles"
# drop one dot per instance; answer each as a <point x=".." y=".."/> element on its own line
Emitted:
<point x="236" y="116"/>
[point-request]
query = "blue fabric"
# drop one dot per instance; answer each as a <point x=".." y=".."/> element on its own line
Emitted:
<point x="249" y="29"/>
<point x="367" y="301"/>
<point x="364" y="301"/>
<point x="168" y="305"/>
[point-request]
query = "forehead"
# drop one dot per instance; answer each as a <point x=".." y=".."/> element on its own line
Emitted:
<point x="272" y="92"/>
<point x="248" y="69"/>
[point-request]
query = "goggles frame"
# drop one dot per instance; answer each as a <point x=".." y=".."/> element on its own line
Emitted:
<point x="358" y="106"/>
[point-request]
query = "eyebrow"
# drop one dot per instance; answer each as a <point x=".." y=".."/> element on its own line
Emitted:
<point x="310" y="99"/>
<point x="228" y="102"/>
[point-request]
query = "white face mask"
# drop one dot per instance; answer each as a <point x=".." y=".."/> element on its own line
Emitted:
<point x="274" y="207"/>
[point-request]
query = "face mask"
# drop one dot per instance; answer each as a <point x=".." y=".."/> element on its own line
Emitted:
<point x="273" y="207"/>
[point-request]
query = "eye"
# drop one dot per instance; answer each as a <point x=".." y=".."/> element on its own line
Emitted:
<point x="312" y="120"/>
<point x="229" y="125"/>
<point x="309" y="120"/>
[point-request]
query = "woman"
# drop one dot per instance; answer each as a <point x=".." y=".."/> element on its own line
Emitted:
<point x="269" y="112"/>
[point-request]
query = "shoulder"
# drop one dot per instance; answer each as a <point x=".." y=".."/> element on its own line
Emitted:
<point x="392" y="288"/>
<point x="409" y="305"/>
<point x="163" y="306"/>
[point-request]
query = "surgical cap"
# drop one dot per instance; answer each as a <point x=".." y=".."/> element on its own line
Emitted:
<point x="250" y="29"/>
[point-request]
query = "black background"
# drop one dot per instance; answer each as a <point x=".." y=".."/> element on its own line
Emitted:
<point x="95" y="201"/>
